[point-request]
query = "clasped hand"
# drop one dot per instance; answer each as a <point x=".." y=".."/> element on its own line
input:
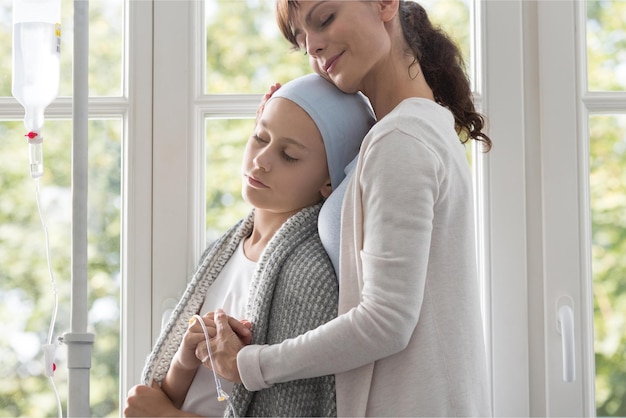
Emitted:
<point x="227" y="337"/>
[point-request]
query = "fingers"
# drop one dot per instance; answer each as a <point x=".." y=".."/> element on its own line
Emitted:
<point x="222" y="323"/>
<point x="229" y="325"/>
<point x="194" y="334"/>
<point x="241" y="328"/>
<point x="145" y="401"/>
<point x="202" y="354"/>
<point x="266" y="97"/>
<point x="273" y="89"/>
<point x="225" y="347"/>
<point x="209" y="324"/>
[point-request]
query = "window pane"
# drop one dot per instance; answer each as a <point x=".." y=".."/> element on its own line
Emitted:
<point x="26" y="292"/>
<point x="225" y="142"/>
<point x="106" y="46"/>
<point x="6" y="39"/>
<point x="106" y="29"/>
<point x="106" y="25"/>
<point x="453" y="16"/>
<point x="608" y="206"/>
<point x="606" y="45"/>
<point x="245" y="51"/>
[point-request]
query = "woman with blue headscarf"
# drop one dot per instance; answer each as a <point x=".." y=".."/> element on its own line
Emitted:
<point x="271" y="267"/>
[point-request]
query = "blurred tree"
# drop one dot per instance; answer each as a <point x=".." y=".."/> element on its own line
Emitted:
<point x="606" y="58"/>
<point x="26" y="292"/>
<point x="608" y="202"/>
<point x="606" y="45"/>
<point x="245" y="53"/>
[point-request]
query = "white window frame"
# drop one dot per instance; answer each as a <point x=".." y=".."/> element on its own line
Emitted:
<point x="525" y="49"/>
<point x="137" y="181"/>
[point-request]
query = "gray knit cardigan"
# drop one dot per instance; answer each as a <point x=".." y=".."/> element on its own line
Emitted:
<point x="294" y="289"/>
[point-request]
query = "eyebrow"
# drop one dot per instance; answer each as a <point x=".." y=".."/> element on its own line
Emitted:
<point x="308" y="17"/>
<point x="287" y="140"/>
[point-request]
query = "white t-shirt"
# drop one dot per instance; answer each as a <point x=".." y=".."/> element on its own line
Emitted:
<point x="230" y="292"/>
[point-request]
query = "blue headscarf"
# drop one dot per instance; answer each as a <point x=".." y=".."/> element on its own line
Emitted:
<point x="342" y="119"/>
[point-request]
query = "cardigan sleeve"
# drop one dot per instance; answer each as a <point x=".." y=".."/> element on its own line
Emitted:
<point x="398" y="181"/>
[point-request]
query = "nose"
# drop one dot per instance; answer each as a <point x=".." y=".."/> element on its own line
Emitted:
<point x="262" y="160"/>
<point x="314" y="44"/>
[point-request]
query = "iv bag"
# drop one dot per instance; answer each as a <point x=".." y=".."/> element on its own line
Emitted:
<point x="36" y="56"/>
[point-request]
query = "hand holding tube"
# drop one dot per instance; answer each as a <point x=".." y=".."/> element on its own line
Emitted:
<point x="225" y="345"/>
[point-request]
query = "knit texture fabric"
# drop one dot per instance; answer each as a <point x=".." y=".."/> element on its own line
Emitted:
<point x="294" y="289"/>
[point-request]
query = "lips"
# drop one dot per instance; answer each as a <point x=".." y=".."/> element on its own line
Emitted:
<point x="330" y="64"/>
<point x="258" y="184"/>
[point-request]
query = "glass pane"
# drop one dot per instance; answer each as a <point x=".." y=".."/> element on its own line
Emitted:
<point x="606" y="45"/>
<point x="106" y="47"/>
<point x="608" y="207"/>
<point x="453" y="16"/>
<point x="6" y="40"/>
<point x="245" y="51"/>
<point x="26" y="291"/>
<point x="225" y="143"/>
<point x="106" y="25"/>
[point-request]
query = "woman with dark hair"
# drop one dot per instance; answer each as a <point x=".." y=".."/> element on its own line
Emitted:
<point x="408" y="340"/>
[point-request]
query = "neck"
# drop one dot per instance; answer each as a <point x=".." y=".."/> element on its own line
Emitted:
<point x="396" y="77"/>
<point x="265" y="226"/>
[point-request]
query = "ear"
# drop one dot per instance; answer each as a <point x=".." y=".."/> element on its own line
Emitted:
<point x="326" y="189"/>
<point x="388" y="9"/>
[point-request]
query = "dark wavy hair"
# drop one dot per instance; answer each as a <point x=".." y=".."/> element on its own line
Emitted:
<point x="439" y="57"/>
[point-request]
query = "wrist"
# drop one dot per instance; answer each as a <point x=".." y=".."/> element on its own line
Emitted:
<point x="187" y="362"/>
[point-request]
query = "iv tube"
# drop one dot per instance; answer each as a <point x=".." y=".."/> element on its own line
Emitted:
<point x="36" y="67"/>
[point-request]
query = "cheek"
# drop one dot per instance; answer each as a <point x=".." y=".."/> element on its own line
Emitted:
<point x="314" y="64"/>
<point x="249" y="153"/>
<point x="315" y="178"/>
<point x="245" y="159"/>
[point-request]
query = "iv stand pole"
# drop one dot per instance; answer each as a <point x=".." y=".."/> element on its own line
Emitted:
<point x="79" y="341"/>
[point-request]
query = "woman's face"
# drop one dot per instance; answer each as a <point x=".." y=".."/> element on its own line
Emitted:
<point x="284" y="164"/>
<point x="345" y="40"/>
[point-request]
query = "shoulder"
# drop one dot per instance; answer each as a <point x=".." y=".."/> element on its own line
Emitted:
<point x="234" y="233"/>
<point x="297" y="243"/>
<point x="310" y="256"/>
<point x="416" y="130"/>
<point x="416" y="118"/>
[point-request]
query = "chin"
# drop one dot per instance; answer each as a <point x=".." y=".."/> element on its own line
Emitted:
<point x="344" y="84"/>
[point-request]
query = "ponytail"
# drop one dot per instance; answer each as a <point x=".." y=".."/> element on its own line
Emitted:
<point x="444" y="70"/>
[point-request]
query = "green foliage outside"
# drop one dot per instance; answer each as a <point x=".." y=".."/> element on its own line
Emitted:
<point x="245" y="53"/>
<point x="608" y="197"/>
<point x="606" y="45"/>
<point x="606" y="49"/>
<point x="26" y="292"/>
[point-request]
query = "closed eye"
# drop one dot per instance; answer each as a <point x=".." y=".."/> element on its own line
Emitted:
<point x="327" y="21"/>
<point x="288" y="158"/>
<point x="259" y="139"/>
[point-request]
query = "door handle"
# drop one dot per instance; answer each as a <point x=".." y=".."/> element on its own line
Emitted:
<point x="565" y="327"/>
